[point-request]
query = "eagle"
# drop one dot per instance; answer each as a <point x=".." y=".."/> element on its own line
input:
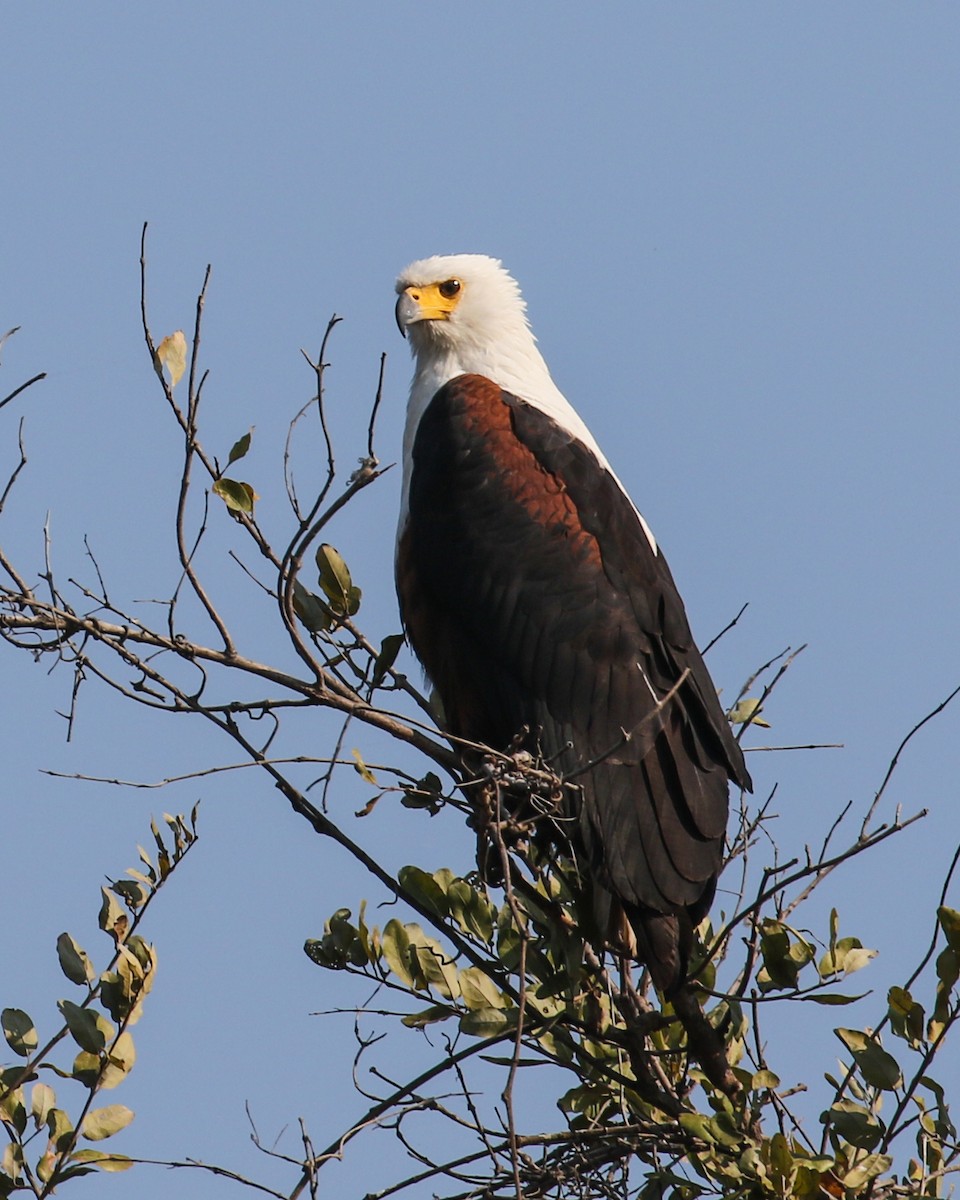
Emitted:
<point x="538" y="601"/>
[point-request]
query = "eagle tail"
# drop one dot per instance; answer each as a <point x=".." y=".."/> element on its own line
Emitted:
<point x="664" y="942"/>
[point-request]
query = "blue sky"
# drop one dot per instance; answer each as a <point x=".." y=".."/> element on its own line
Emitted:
<point x="736" y="230"/>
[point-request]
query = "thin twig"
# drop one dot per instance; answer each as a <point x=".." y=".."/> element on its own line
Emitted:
<point x="15" y="474"/>
<point x="726" y="629"/>
<point x="22" y="388"/>
<point x="900" y="749"/>
<point x="371" y="456"/>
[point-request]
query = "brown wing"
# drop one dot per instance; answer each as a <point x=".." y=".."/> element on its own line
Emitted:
<point x="533" y="596"/>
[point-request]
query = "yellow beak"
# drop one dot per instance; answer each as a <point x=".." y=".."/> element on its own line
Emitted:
<point x="423" y="304"/>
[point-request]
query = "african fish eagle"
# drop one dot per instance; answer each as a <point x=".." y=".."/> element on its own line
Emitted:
<point x="536" y="597"/>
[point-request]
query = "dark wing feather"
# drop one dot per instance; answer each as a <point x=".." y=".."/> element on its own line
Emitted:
<point x="533" y="597"/>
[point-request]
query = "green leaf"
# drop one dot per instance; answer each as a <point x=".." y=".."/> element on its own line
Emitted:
<point x="726" y="1130"/>
<point x="13" y="1110"/>
<point x="131" y="892"/>
<point x="781" y="1160"/>
<point x="42" y="1099"/>
<point x="315" y="950"/>
<point x="816" y="1162"/>
<point x="944" y="1126"/>
<point x="948" y="967"/>
<point x="102" y="1123"/>
<point x="19" y="1031"/>
<point x="336" y="583"/>
<point x="844" y="957"/>
<point x="906" y="1016"/>
<point x="163" y="855"/>
<point x="948" y="970"/>
<point x="238" y="496"/>
<point x="311" y="609"/>
<point x="342" y="944"/>
<point x="103" y="1161"/>
<point x="120" y="1061"/>
<point x="90" y="1029"/>
<point x="73" y="961"/>
<point x="60" y="1128"/>
<point x="698" y="1125"/>
<point x="801" y="952"/>
<point x="594" y="1101"/>
<point x="429" y="1016"/>
<point x="780" y="970"/>
<point x="866" y="1169"/>
<point x="106" y="1162"/>
<point x="144" y="954"/>
<point x="335" y="579"/>
<point x="335" y="576"/>
<point x="389" y="649"/>
<point x="113" y="917"/>
<point x="471" y="909"/>
<point x="879" y="1068"/>
<point x="479" y="991"/>
<point x="127" y="985"/>
<point x="118" y="997"/>
<point x="764" y="1079"/>
<point x="86" y="1069"/>
<point x="949" y="920"/>
<point x="240" y="448"/>
<point x="834" y="927"/>
<point x="395" y="943"/>
<point x="900" y="1002"/>
<point x="428" y="793"/>
<point x="363" y="936"/>
<point x="424" y="889"/>
<point x="834" y="998"/>
<point x="437" y="966"/>
<point x="855" y="1124"/>
<point x="485" y="1022"/>
<point x="508" y="939"/>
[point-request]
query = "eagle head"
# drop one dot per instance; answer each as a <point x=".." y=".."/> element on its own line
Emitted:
<point x="459" y="301"/>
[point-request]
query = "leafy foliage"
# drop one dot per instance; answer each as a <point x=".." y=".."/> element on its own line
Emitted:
<point x="43" y="1149"/>
<point x="509" y="981"/>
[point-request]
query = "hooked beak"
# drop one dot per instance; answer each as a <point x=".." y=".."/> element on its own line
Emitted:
<point x="423" y="303"/>
<point x="407" y="311"/>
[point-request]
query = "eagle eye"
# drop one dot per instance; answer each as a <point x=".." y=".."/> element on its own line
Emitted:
<point x="449" y="288"/>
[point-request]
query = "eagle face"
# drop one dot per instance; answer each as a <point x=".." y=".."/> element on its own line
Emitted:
<point x="430" y="302"/>
<point x="456" y="302"/>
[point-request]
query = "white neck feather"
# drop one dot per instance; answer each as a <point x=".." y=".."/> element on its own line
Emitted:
<point x="512" y="362"/>
<point x="498" y="344"/>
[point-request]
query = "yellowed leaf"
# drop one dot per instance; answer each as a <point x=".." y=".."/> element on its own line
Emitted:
<point x="747" y="711"/>
<point x="238" y="496"/>
<point x="362" y="769"/>
<point x="102" y="1123"/>
<point x="172" y="354"/>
